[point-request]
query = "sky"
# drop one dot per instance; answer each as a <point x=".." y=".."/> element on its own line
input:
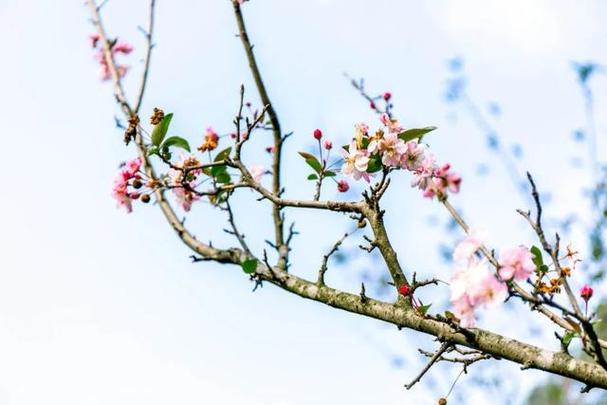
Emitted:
<point x="100" y="307"/>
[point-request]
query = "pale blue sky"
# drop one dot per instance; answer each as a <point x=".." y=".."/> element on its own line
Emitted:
<point x="100" y="307"/>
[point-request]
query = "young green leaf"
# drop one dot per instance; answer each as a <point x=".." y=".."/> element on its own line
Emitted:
<point x="329" y="173"/>
<point x="224" y="154"/>
<point x="177" y="142"/>
<point x="160" y="130"/>
<point x="538" y="260"/>
<point x="312" y="161"/>
<point x="312" y="177"/>
<point x="249" y="266"/>
<point x="423" y="309"/>
<point x="415" y="133"/>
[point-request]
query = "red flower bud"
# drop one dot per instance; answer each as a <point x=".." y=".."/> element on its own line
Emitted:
<point x="342" y="186"/>
<point x="404" y="289"/>
<point x="317" y="134"/>
<point x="387" y="96"/>
<point x="372" y="105"/>
<point x="586" y="292"/>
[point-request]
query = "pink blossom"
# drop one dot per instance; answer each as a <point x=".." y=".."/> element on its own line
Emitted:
<point x="473" y="286"/>
<point x="256" y="172"/>
<point x="133" y="166"/>
<point x="424" y="172"/>
<point x="516" y="263"/>
<point x="468" y="246"/>
<point x="392" y="124"/>
<point x="356" y="162"/>
<point x="342" y="186"/>
<point x="185" y="197"/>
<point x="391" y="148"/>
<point x="414" y="156"/>
<point x="328" y="145"/>
<point x="120" y="193"/>
<point x="122" y="47"/>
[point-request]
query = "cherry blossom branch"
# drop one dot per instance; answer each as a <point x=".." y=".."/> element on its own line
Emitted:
<point x="109" y="57"/>
<point x="395" y="313"/>
<point x="278" y="139"/>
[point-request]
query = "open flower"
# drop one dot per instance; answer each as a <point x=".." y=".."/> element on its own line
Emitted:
<point x="467" y="247"/>
<point x="516" y="263"/>
<point x="391" y="148"/>
<point x="120" y="190"/>
<point x="356" y="162"/>
<point x="473" y="286"/>
<point x="413" y="156"/>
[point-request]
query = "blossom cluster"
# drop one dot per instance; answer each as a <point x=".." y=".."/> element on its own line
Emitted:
<point x="388" y="148"/>
<point x="474" y="285"/>
<point x="183" y="181"/>
<point x="126" y="182"/>
<point x="117" y="47"/>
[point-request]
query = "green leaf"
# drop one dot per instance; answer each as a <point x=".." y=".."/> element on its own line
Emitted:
<point x="217" y="170"/>
<point x="330" y="173"/>
<point x="160" y="130"/>
<point x="153" y="150"/>
<point x="224" y="154"/>
<point x="537" y="256"/>
<point x="415" y="133"/>
<point x="177" y="142"/>
<point x="312" y="161"/>
<point x="374" y="164"/>
<point x="567" y="338"/>
<point x="543" y="268"/>
<point x="223" y="178"/>
<point x="312" y="176"/>
<point x="249" y="266"/>
<point x="423" y="309"/>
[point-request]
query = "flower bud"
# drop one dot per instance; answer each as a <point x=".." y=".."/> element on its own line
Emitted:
<point x="404" y="290"/>
<point x="328" y="144"/>
<point x="372" y="105"/>
<point x="342" y="186"/>
<point x="586" y="292"/>
<point x="317" y="134"/>
<point x="387" y="96"/>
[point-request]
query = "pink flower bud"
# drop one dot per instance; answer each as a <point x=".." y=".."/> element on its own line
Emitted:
<point x="328" y="144"/>
<point x="404" y="289"/>
<point x="372" y="105"/>
<point x="387" y="96"/>
<point x="586" y="292"/>
<point x="342" y="186"/>
<point x="317" y="134"/>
